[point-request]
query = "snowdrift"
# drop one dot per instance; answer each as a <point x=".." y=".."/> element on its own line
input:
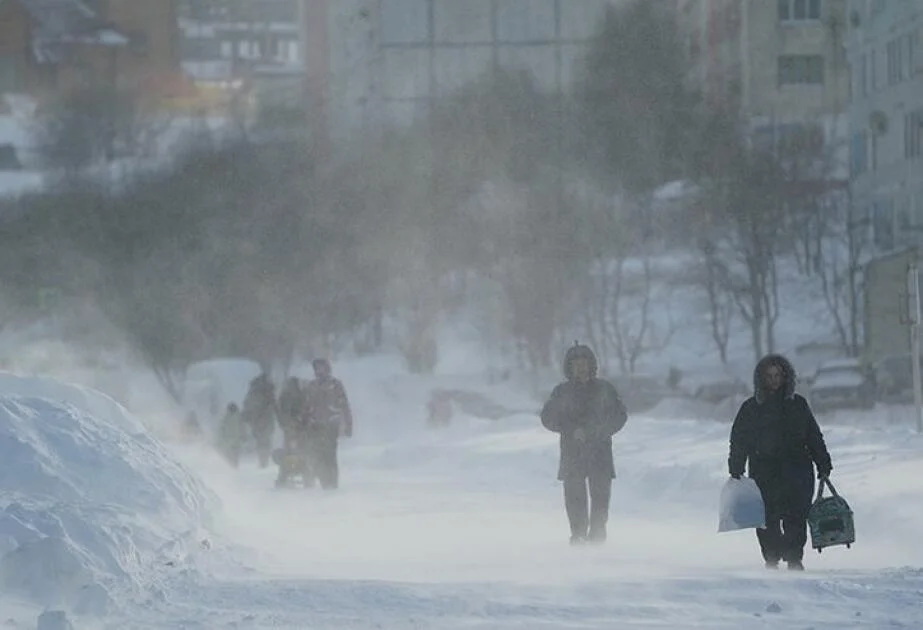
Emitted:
<point x="91" y="506"/>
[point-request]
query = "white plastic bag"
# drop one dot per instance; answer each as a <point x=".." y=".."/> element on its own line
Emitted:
<point x="740" y="506"/>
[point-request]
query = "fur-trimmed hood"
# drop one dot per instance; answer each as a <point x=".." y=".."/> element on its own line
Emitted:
<point x="788" y="373"/>
<point x="580" y="351"/>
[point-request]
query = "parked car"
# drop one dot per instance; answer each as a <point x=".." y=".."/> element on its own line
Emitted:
<point x="894" y="378"/>
<point x="641" y="392"/>
<point x="842" y="384"/>
<point x="720" y="391"/>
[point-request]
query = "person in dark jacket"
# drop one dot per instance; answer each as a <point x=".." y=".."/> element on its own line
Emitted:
<point x="292" y="404"/>
<point x="231" y="435"/>
<point x="776" y="433"/>
<point x="586" y="411"/>
<point x="259" y="412"/>
<point x="293" y="458"/>
<point x="328" y="416"/>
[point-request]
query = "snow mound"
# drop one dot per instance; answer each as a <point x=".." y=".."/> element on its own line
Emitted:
<point x="89" y="501"/>
<point x="54" y="620"/>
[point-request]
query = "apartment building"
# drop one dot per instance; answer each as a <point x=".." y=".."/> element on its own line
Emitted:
<point x="885" y="52"/>
<point x="377" y="62"/>
<point x="244" y="46"/>
<point x="47" y="47"/>
<point x="780" y="63"/>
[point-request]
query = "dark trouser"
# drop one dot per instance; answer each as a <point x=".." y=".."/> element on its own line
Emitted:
<point x="324" y="442"/>
<point x="263" y="447"/>
<point x="786" y="529"/>
<point x="588" y="512"/>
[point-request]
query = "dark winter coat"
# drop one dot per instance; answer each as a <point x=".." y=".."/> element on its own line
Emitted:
<point x="292" y="405"/>
<point x="595" y="407"/>
<point x="328" y="406"/>
<point x="778" y="435"/>
<point x="231" y="432"/>
<point x="259" y="407"/>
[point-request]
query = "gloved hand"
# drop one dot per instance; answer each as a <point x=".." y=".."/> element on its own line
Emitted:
<point x="348" y="432"/>
<point x="580" y="434"/>
<point x="824" y="473"/>
<point x="735" y="476"/>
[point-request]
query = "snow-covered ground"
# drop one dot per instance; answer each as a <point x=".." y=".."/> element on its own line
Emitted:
<point x="454" y="528"/>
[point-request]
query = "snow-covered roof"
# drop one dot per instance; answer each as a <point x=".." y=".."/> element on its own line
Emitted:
<point x="62" y="22"/>
<point x="675" y="190"/>
<point x="841" y="364"/>
<point x="61" y="17"/>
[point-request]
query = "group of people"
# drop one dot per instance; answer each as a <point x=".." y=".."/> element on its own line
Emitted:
<point x="312" y="415"/>
<point x="774" y="437"/>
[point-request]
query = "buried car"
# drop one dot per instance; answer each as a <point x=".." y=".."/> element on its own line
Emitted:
<point x="842" y="384"/>
<point x="894" y="378"/>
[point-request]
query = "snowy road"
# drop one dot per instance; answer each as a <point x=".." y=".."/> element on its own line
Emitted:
<point x="465" y="529"/>
<point x="461" y="528"/>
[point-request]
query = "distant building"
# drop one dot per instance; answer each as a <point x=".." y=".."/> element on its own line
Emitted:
<point x="377" y="62"/>
<point x="50" y="46"/>
<point x="253" y="46"/>
<point x="780" y="64"/>
<point x="885" y="50"/>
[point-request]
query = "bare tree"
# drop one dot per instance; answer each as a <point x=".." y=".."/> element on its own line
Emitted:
<point x="743" y="212"/>
<point x="637" y="111"/>
<point x="712" y="277"/>
<point x="842" y="252"/>
<point x="634" y="328"/>
<point x="95" y="124"/>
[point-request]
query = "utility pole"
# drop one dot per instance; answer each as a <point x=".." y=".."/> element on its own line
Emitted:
<point x="913" y="292"/>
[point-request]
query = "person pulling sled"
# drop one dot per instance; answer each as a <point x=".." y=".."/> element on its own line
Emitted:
<point x="293" y="459"/>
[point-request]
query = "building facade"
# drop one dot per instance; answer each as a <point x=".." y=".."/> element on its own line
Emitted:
<point x="250" y="47"/>
<point x="378" y="62"/>
<point x="886" y="118"/>
<point x="49" y="47"/>
<point x="781" y="64"/>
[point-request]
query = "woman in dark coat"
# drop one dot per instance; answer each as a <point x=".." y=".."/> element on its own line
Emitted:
<point x="778" y="435"/>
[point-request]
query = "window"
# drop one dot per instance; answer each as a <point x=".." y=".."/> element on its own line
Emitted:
<point x="877" y="7"/>
<point x="800" y="139"/>
<point x="883" y="224"/>
<point x="900" y="59"/>
<point x="873" y="152"/>
<point x="914" y="56"/>
<point x="894" y="62"/>
<point x="873" y="71"/>
<point x="801" y="69"/>
<point x="799" y="10"/>
<point x="858" y="153"/>
<point x="764" y="138"/>
<point x="913" y="134"/>
<point x="864" y="75"/>
<point x="8" y="78"/>
<point x="850" y="83"/>
<point x="199" y="49"/>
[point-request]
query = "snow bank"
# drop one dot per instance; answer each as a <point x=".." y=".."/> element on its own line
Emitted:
<point x="90" y="503"/>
